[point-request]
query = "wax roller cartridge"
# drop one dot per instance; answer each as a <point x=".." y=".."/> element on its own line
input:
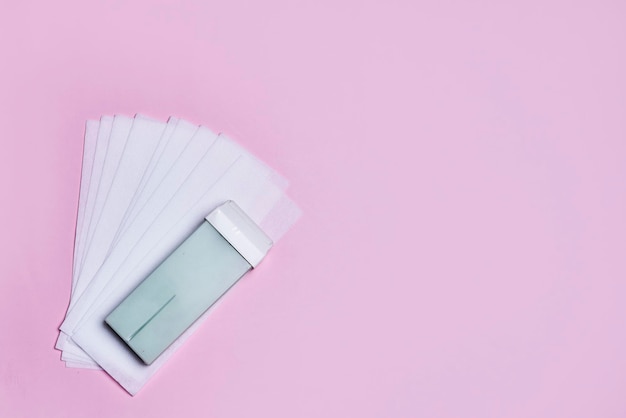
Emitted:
<point x="217" y="254"/>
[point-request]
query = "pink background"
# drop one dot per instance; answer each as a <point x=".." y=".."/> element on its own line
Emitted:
<point x="461" y="167"/>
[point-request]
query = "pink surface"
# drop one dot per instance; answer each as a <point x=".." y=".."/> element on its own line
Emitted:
<point x="461" y="167"/>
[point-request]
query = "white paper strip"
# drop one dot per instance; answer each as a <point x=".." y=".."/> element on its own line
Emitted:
<point x="145" y="187"/>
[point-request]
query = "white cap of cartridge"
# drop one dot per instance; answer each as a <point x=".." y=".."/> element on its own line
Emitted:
<point x="241" y="232"/>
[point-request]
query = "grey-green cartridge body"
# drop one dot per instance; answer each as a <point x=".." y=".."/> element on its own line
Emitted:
<point x="187" y="283"/>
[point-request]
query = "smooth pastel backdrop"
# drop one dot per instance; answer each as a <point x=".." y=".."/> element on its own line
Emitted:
<point x="460" y="164"/>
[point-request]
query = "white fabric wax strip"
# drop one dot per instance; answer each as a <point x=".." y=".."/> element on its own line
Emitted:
<point x="102" y="144"/>
<point x="61" y="343"/>
<point x="117" y="140"/>
<point x="213" y="161"/>
<point x="174" y="211"/>
<point x="162" y="151"/>
<point x="241" y="184"/>
<point x="89" y="152"/>
<point x="217" y="161"/>
<point x="139" y="146"/>
<point x="120" y="128"/>
<point x="154" y="194"/>
<point x="173" y="151"/>
<point x="99" y="153"/>
<point x="170" y="127"/>
<point x="144" y="137"/>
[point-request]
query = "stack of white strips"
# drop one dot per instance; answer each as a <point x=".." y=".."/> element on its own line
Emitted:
<point x="146" y="186"/>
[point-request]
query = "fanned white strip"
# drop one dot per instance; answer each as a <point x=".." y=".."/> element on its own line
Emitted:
<point x="149" y="185"/>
